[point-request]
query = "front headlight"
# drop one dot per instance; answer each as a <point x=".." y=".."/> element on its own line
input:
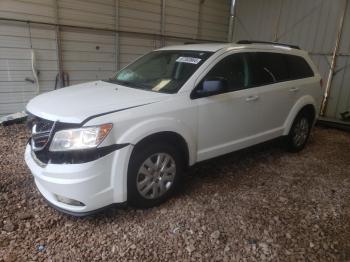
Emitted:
<point x="80" y="138"/>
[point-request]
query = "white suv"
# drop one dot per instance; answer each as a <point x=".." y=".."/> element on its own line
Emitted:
<point x="128" y="139"/>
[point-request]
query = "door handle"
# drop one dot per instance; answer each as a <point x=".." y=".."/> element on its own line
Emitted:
<point x="294" y="89"/>
<point x="251" y="98"/>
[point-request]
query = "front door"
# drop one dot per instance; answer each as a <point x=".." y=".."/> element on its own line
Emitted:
<point x="227" y="121"/>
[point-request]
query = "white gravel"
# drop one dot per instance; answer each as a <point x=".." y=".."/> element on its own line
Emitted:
<point x="253" y="205"/>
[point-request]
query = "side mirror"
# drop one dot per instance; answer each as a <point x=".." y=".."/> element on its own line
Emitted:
<point x="210" y="87"/>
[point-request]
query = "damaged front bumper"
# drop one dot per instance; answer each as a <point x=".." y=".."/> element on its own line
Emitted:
<point x="79" y="189"/>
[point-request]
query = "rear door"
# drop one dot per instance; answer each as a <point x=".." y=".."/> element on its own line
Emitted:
<point x="303" y="81"/>
<point x="277" y="95"/>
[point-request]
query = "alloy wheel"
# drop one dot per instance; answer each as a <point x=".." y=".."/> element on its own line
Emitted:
<point x="156" y="175"/>
<point x="301" y="131"/>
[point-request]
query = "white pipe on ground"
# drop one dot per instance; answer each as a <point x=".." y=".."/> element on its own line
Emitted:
<point x="34" y="70"/>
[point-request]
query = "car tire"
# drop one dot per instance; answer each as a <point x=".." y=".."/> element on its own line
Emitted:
<point x="299" y="132"/>
<point x="154" y="174"/>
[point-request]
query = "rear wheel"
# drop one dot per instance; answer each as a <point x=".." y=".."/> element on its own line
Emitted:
<point x="153" y="174"/>
<point x="299" y="132"/>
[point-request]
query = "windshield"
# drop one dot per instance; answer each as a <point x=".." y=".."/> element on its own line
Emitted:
<point x="161" y="71"/>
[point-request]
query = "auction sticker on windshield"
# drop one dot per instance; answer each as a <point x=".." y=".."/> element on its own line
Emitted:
<point x="189" y="60"/>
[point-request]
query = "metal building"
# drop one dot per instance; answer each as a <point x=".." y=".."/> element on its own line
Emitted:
<point x="73" y="41"/>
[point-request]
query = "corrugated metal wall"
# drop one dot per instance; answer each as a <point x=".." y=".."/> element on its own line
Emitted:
<point x="311" y="24"/>
<point x="88" y="55"/>
<point x="15" y="63"/>
<point x="140" y="16"/>
<point x="132" y="28"/>
<point x="135" y="27"/>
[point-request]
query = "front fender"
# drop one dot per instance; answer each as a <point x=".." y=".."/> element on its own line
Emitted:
<point x="149" y="127"/>
<point x="303" y="101"/>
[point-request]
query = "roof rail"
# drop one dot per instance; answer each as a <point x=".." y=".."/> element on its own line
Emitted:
<point x="206" y="42"/>
<point x="191" y="43"/>
<point x="248" y="42"/>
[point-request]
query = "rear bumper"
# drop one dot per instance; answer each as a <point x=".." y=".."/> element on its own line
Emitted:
<point x="96" y="184"/>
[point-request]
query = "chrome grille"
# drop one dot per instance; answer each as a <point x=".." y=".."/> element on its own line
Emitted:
<point x="41" y="133"/>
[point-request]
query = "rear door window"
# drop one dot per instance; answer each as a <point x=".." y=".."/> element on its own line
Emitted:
<point x="268" y="68"/>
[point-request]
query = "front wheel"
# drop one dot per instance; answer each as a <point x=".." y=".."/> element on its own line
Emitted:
<point x="299" y="133"/>
<point x="153" y="174"/>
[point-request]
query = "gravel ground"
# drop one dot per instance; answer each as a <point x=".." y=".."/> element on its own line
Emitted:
<point x="253" y="205"/>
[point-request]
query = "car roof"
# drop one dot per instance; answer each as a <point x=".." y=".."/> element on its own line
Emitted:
<point x="214" y="47"/>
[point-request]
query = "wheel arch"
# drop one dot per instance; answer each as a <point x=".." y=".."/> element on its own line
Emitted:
<point x="306" y="103"/>
<point x="310" y="111"/>
<point x="169" y="137"/>
<point x="164" y="129"/>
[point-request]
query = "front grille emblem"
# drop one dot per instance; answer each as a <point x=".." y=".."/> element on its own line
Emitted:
<point x="41" y="134"/>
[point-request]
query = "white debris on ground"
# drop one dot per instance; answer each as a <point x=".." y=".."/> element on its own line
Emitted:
<point x="13" y="118"/>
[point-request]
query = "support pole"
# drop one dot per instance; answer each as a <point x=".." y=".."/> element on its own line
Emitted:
<point x="278" y="21"/>
<point x="200" y="18"/>
<point x="334" y="62"/>
<point x="231" y="24"/>
<point x="162" y="23"/>
<point x="117" y="42"/>
<point x="59" y="79"/>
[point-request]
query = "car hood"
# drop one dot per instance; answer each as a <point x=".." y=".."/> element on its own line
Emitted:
<point x="77" y="103"/>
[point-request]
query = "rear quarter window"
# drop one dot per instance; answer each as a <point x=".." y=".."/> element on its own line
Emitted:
<point x="298" y="68"/>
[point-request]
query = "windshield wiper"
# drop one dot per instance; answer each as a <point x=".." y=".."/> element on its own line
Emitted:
<point x="137" y="85"/>
<point x="113" y="80"/>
